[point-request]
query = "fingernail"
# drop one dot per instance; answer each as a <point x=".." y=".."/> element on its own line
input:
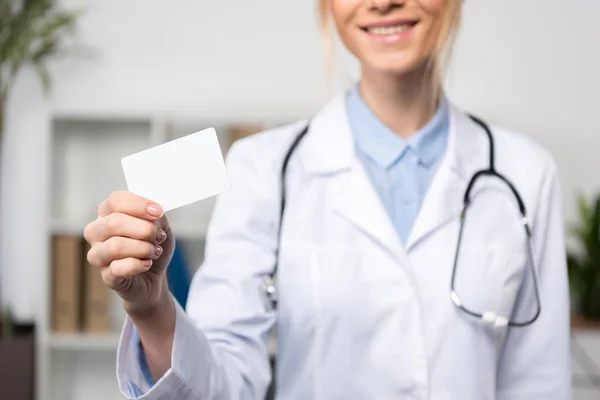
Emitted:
<point x="157" y="251"/>
<point x="155" y="210"/>
<point x="147" y="263"/>
<point x="161" y="236"/>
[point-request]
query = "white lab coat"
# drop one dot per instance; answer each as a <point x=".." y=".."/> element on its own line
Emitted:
<point x="362" y="316"/>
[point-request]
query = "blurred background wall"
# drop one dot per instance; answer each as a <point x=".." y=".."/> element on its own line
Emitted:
<point x="530" y="65"/>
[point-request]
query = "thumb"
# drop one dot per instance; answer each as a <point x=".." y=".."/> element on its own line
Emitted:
<point x="119" y="273"/>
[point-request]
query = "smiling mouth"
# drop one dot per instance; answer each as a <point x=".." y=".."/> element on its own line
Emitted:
<point x="389" y="28"/>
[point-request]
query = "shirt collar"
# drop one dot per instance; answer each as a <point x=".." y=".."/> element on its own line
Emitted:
<point x="384" y="146"/>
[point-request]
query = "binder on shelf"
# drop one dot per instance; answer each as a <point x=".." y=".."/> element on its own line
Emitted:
<point x="66" y="278"/>
<point x="96" y="299"/>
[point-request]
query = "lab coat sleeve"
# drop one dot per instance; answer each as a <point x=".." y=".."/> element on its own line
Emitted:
<point x="535" y="363"/>
<point x="220" y="348"/>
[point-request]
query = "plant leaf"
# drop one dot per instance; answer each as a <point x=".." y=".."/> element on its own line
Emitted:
<point x="43" y="75"/>
<point x="45" y="49"/>
<point x="62" y="21"/>
<point x="31" y="32"/>
<point x="584" y="206"/>
<point x="584" y="265"/>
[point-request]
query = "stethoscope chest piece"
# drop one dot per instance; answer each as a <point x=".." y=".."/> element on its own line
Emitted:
<point x="269" y="291"/>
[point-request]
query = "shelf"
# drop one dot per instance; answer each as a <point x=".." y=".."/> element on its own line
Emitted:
<point x="105" y="342"/>
<point x="181" y="230"/>
<point x="103" y="117"/>
<point x="59" y="227"/>
<point x="84" y="341"/>
<point x="582" y="324"/>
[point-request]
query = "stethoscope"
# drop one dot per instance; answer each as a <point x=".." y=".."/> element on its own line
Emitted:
<point x="488" y="317"/>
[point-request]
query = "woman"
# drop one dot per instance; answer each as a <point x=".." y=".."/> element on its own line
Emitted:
<point x="374" y="194"/>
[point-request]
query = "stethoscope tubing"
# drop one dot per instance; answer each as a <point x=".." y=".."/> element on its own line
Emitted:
<point x="488" y="317"/>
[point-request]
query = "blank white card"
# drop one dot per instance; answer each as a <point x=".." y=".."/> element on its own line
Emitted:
<point x="179" y="172"/>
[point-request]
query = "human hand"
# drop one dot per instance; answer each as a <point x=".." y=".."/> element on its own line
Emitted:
<point x="132" y="245"/>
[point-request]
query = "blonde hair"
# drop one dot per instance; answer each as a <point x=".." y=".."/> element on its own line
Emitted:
<point x="324" y="19"/>
<point x="436" y="66"/>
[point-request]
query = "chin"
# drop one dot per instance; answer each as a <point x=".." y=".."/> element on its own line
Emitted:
<point x="393" y="66"/>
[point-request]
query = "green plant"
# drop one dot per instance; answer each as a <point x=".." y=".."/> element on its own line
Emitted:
<point x="584" y="262"/>
<point x="6" y="325"/>
<point x="30" y="34"/>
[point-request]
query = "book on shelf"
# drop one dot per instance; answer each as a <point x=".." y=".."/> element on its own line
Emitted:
<point x="66" y="277"/>
<point x="80" y="299"/>
<point x="96" y="299"/>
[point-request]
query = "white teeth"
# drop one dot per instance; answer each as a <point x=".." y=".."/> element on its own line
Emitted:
<point x="389" y="30"/>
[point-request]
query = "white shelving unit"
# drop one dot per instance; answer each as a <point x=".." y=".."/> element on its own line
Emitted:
<point x="86" y="150"/>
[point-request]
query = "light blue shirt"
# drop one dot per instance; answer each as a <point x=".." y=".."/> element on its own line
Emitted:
<point x="134" y="389"/>
<point x="401" y="171"/>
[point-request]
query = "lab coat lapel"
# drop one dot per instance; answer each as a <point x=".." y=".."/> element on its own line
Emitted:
<point x="359" y="203"/>
<point x="329" y="151"/>
<point x="467" y="153"/>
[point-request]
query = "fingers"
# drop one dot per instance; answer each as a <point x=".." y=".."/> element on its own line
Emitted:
<point x="119" y="273"/>
<point x="130" y="204"/>
<point x="116" y="248"/>
<point x="119" y="224"/>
